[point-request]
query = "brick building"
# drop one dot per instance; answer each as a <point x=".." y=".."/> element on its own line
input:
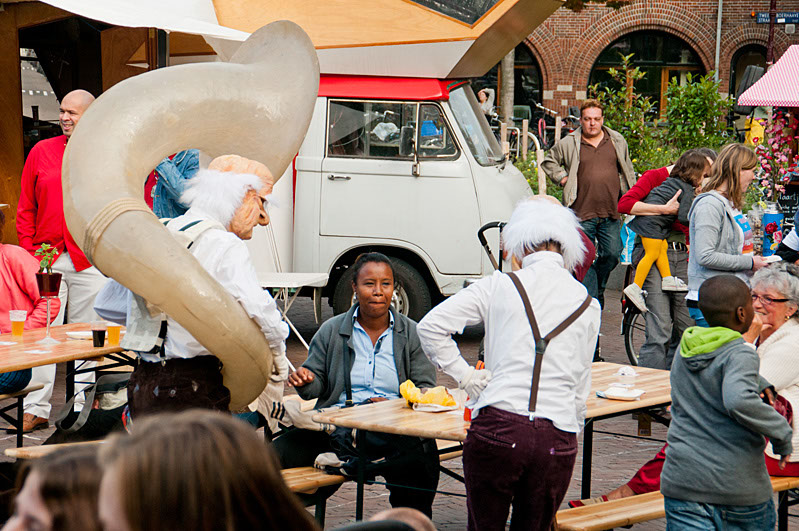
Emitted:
<point x="669" y="38"/>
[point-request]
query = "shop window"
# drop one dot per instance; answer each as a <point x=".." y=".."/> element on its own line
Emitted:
<point x="663" y="57"/>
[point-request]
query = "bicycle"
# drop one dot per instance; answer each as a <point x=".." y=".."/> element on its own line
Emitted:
<point x="633" y="326"/>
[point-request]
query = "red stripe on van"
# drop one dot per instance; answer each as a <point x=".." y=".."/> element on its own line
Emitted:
<point x="391" y="88"/>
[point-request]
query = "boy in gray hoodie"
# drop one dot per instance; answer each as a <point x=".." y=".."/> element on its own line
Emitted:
<point x="715" y="474"/>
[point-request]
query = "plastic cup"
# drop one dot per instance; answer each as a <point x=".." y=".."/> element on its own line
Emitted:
<point x="113" y="334"/>
<point x="17" y="318"/>
<point x="98" y="333"/>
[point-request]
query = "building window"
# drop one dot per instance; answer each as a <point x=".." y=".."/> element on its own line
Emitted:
<point x="663" y="57"/>
<point x="527" y="85"/>
<point x="751" y="54"/>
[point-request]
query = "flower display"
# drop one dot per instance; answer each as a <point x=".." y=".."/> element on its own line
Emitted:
<point x="774" y="152"/>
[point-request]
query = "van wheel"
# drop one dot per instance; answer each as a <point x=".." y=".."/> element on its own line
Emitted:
<point x="411" y="296"/>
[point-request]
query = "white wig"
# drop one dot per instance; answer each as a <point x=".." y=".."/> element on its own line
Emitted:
<point x="535" y="222"/>
<point x="219" y="194"/>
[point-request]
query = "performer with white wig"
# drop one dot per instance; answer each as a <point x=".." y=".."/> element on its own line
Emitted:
<point x="175" y="371"/>
<point x="529" y="402"/>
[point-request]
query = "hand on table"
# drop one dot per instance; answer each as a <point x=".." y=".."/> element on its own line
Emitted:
<point x="300" y="377"/>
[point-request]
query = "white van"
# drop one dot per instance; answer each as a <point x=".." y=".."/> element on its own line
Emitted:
<point x="405" y="166"/>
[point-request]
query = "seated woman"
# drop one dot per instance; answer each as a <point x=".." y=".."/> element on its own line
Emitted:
<point x="775" y="297"/>
<point x="363" y="356"/>
<point x="18" y="291"/>
<point x="197" y="469"/>
<point x="58" y="492"/>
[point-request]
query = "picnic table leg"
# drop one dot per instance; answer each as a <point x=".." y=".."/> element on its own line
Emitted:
<point x="361" y="479"/>
<point x="70" y="380"/>
<point x="20" y="413"/>
<point x="782" y="511"/>
<point x="588" y="451"/>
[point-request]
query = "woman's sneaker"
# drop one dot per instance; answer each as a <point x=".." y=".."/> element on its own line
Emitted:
<point x="673" y="284"/>
<point x="635" y="295"/>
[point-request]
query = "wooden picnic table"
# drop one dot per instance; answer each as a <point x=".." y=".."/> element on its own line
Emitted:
<point x="395" y="417"/>
<point x="25" y="353"/>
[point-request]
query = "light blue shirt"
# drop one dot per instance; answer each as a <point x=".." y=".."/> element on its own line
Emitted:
<point x="374" y="371"/>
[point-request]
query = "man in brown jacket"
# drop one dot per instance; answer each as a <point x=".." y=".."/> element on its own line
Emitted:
<point x="593" y="166"/>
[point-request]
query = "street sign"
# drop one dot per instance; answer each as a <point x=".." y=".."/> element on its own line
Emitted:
<point x="783" y="17"/>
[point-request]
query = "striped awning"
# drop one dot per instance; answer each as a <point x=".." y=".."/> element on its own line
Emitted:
<point x="779" y="86"/>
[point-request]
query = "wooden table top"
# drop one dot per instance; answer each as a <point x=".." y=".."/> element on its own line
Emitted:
<point x="25" y="353"/>
<point x="394" y="416"/>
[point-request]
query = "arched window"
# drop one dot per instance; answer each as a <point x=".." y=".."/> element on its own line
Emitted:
<point x="751" y="54"/>
<point x="661" y="56"/>
<point x="527" y="83"/>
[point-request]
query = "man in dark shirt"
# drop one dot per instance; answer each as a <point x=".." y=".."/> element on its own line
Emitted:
<point x="593" y="166"/>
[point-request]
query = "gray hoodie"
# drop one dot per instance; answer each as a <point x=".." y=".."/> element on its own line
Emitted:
<point x="716" y="438"/>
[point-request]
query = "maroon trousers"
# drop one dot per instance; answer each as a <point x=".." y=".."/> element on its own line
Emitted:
<point x="509" y="460"/>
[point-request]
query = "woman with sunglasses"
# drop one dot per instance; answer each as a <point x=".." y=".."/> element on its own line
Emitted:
<point x="775" y="297"/>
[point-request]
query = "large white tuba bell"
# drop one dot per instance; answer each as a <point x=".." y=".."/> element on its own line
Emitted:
<point x="259" y="106"/>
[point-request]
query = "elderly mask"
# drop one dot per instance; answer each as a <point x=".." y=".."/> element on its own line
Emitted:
<point x="253" y="207"/>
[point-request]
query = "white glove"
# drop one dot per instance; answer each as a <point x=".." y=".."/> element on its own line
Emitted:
<point x="475" y="381"/>
<point x="280" y="368"/>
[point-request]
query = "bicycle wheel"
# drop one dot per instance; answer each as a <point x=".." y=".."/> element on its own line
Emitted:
<point x="633" y="328"/>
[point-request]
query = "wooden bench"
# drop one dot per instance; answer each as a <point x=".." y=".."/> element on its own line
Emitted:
<point x="35" y="452"/>
<point x="19" y="397"/>
<point x="632" y="510"/>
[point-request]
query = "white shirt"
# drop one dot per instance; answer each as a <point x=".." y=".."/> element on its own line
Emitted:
<point x="227" y="259"/>
<point x="509" y="348"/>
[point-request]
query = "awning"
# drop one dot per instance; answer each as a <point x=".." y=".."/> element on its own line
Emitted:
<point x="779" y="86"/>
<point x="195" y="17"/>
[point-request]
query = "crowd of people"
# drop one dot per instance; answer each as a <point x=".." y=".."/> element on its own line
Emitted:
<point x="718" y="315"/>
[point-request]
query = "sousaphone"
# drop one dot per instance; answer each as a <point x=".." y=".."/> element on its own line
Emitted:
<point x="258" y="106"/>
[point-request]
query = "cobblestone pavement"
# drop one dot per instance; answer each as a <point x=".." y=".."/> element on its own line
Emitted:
<point x="615" y="459"/>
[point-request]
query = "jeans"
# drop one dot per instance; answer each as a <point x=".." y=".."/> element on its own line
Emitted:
<point x="511" y="461"/>
<point x="694" y="516"/>
<point x="696" y="315"/>
<point x="668" y="315"/>
<point x="606" y="235"/>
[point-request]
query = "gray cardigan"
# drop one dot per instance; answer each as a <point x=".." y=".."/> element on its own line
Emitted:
<point x="326" y="357"/>
<point x="715" y="241"/>
<point x="716" y="437"/>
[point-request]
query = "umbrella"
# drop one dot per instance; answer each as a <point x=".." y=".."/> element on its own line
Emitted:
<point x="779" y="86"/>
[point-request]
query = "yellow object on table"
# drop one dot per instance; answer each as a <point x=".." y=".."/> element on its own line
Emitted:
<point x="437" y="395"/>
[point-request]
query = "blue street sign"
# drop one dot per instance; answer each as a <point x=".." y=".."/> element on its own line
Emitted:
<point x="783" y="17"/>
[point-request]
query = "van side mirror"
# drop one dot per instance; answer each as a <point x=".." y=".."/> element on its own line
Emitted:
<point x="406" y="141"/>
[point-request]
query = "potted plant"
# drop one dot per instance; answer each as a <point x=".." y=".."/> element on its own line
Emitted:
<point x="48" y="282"/>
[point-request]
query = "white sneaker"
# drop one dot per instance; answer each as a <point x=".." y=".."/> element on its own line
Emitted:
<point x="635" y="295"/>
<point x="673" y="284"/>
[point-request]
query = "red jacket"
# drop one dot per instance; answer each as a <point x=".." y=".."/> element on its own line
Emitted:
<point x="650" y="180"/>
<point x="18" y="289"/>
<point x="40" y="212"/>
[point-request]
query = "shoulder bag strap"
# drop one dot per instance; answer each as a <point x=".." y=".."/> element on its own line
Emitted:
<point x="541" y="343"/>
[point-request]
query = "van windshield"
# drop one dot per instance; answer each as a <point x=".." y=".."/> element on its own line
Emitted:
<point x="472" y="122"/>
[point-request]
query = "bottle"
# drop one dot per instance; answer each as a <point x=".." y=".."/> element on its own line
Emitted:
<point x="467" y="412"/>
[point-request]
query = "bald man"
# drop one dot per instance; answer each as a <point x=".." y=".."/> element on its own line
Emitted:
<point x="40" y="219"/>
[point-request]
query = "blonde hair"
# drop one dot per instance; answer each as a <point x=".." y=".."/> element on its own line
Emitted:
<point x="726" y="172"/>
<point x="200" y="470"/>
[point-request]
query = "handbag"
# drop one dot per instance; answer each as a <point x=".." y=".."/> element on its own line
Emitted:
<point x="101" y="414"/>
<point x="784" y="408"/>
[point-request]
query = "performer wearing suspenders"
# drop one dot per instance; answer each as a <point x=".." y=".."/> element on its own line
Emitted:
<point x="541" y="327"/>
